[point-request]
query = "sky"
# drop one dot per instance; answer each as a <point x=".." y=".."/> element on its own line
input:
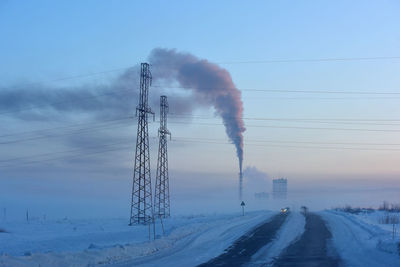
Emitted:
<point x="68" y="138"/>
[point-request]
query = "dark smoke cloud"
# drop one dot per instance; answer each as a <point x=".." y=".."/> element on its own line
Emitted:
<point x="210" y="84"/>
<point x="119" y="98"/>
<point x="39" y="102"/>
<point x="205" y="83"/>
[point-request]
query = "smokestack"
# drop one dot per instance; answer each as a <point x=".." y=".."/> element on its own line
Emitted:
<point x="241" y="185"/>
<point x="210" y="85"/>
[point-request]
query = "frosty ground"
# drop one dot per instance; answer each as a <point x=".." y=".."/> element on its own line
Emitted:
<point x="357" y="239"/>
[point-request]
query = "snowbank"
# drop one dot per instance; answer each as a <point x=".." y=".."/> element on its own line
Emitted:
<point x="359" y="242"/>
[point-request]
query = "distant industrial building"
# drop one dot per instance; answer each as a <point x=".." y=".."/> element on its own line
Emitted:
<point x="261" y="195"/>
<point x="279" y="188"/>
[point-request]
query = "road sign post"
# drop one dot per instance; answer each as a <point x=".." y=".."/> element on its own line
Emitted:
<point x="242" y="204"/>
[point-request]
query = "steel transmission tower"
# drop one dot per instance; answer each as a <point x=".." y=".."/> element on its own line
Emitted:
<point x="161" y="201"/>
<point x="141" y="202"/>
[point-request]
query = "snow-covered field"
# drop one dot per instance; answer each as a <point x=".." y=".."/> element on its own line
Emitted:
<point x="187" y="241"/>
<point x="360" y="240"/>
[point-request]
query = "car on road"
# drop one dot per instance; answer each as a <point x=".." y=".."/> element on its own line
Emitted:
<point x="284" y="210"/>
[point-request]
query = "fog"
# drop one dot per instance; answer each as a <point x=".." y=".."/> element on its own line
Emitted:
<point x="107" y="194"/>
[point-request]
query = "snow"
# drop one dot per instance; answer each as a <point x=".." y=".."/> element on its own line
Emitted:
<point x="374" y="218"/>
<point x="360" y="240"/>
<point x="387" y="243"/>
<point x="290" y="231"/>
<point x="188" y="240"/>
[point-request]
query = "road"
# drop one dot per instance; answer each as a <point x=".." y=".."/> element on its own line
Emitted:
<point x="313" y="247"/>
<point x="194" y="244"/>
<point x="246" y="246"/>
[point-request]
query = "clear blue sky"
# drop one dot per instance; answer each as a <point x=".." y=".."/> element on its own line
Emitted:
<point x="47" y="40"/>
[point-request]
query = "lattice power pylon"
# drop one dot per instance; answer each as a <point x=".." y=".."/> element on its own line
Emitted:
<point x="161" y="201"/>
<point x="142" y="202"/>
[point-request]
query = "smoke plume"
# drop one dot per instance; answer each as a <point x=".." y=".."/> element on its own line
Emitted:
<point x="210" y="84"/>
<point x="255" y="179"/>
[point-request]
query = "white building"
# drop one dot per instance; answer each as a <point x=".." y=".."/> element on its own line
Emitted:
<point x="279" y="188"/>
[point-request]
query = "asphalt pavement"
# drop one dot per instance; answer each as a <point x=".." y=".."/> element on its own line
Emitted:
<point x="241" y="251"/>
<point x="312" y="249"/>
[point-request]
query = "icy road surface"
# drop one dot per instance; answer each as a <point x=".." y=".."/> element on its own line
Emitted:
<point x="246" y="246"/>
<point x="312" y="249"/>
<point x="290" y="231"/>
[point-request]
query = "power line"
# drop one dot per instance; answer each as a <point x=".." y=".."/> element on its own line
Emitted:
<point x="303" y="120"/>
<point x="323" y="92"/>
<point x="50" y="104"/>
<point x="106" y="123"/>
<point x="299" y="127"/>
<point x="244" y="89"/>
<point x="83" y="149"/>
<point x="321" y="98"/>
<point x="311" y="60"/>
<point x="383" y="58"/>
<point x="68" y="157"/>
<point x="115" y="124"/>
<point x="43" y="131"/>
<point x="289" y="141"/>
<point x="250" y="90"/>
<point x="72" y="77"/>
<point x="112" y="125"/>
<point x="294" y="146"/>
<point x="248" y="142"/>
<point x="271" y="118"/>
<point x="60" y="102"/>
<point x="62" y="152"/>
<point x="288" y="91"/>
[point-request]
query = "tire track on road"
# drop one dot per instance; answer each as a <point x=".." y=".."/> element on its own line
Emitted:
<point x="241" y="251"/>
